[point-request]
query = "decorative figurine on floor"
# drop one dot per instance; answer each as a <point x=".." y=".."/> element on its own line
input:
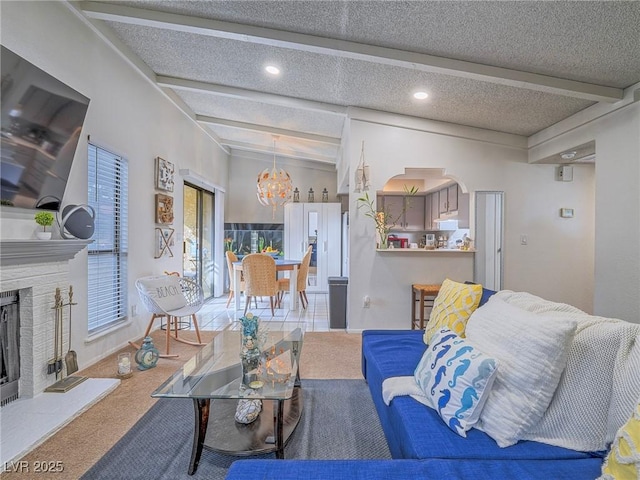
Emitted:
<point x="148" y="355"/>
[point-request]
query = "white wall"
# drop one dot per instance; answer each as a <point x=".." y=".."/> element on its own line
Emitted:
<point x="616" y="131"/>
<point x="126" y="115"/>
<point x="617" y="290"/>
<point x="242" y="204"/>
<point x="557" y="263"/>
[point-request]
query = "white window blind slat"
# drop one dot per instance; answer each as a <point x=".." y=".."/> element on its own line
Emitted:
<point x="107" y="269"/>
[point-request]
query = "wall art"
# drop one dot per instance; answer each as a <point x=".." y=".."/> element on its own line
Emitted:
<point x="164" y="209"/>
<point x="164" y="174"/>
<point x="164" y="241"/>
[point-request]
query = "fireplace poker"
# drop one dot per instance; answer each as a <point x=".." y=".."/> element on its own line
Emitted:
<point x="55" y="365"/>
<point x="71" y="358"/>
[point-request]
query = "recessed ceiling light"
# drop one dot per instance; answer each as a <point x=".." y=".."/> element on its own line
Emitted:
<point x="273" y="70"/>
<point x="568" y="155"/>
<point x="420" y="95"/>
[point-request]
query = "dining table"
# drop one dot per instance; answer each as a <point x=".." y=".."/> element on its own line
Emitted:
<point x="282" y="265"/>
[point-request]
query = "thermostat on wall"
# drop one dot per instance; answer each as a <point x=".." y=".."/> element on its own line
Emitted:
<point x="566" y="212"/>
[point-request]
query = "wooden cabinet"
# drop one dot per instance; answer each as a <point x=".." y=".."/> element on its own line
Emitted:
<point x="448" y="199"/>
<point x="452" y="198"/>
<point x="413" y="218"/>
<point x="435" y="209"/>
<point x="451" y="203"/>
<point x="318" y="225"/>
<point x="428" y="218"/>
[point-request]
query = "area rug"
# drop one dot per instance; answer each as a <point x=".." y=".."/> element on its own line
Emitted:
<point x="338" y="421"/>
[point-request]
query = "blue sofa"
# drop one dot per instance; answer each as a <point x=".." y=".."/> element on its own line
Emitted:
<point x="420" y="443"/>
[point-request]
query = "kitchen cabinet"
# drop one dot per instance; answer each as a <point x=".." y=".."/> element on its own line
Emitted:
<point x="448" y="199"/>
<point x="413" y="218"/>
<point x="435" y="210"/>
<point x="428" y="219"/>
<point x="318" y="225"/>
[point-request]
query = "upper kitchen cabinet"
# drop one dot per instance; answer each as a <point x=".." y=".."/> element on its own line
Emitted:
<point x="449" y="199"/>
<point x="413" y="218"/>
<point x="451" y="204"/>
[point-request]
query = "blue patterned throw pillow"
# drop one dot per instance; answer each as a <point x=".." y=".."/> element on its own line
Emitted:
<point x="456" y="378"/>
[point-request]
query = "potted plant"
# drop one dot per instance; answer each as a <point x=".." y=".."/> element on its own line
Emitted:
<point x="46" y="220"/>
<point x="384" y="221"/>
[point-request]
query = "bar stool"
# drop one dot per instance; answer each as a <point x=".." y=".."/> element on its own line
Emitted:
<point x="425" y="295"/>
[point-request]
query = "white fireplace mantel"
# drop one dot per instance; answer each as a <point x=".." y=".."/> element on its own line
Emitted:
<point x="20" y="252"/>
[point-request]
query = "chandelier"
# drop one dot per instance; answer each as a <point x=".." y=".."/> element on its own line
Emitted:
<point x="274" y="188"/>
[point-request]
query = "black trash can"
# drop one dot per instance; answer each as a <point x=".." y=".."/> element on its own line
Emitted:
<point x="338" y="302"/>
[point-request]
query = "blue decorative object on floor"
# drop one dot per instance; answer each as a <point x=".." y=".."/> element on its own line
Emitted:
<point x="148" y="355"/>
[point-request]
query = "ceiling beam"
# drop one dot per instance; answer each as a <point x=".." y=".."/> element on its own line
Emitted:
<point x="244" y="94"/>
<point x="266" y="129"/>
<point x="250" y="147"/>
<point x="351" y="50"/>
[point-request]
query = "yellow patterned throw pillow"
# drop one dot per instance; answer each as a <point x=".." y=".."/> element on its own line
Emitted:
<point x="452" y="308"/>
<point x="623" y="460"/>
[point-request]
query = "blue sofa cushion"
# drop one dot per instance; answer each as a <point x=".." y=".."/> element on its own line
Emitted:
<point x="413" y="430"/>
<point x="436" y="469"/>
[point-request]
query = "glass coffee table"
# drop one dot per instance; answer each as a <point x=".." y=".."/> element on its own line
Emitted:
<point x="217" y="373"/>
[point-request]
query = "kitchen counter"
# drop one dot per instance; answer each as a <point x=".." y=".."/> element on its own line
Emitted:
<point x="423" y="250"/>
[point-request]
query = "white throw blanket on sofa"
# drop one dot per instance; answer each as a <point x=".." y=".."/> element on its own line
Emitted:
<point x="397" y="386"/>
<point x="600" y="385"/>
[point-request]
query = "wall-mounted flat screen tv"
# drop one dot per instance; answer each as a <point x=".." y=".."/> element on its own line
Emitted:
<point x="40" y="123"/>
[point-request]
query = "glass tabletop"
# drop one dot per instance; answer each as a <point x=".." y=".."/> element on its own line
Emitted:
<point x="220" y="371"/>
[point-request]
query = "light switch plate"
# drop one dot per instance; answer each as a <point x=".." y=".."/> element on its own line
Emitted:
<point x="566" y="212"/>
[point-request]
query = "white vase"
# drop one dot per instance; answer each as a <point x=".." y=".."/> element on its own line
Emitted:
<point x="43" y="235"/>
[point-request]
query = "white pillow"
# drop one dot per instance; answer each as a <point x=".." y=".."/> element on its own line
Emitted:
<point x="165" y="290"/>
<point x="532" y="351"/>
<point x="456" y="378"/>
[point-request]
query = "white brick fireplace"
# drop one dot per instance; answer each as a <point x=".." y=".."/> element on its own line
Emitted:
<point x="35" y="269"/>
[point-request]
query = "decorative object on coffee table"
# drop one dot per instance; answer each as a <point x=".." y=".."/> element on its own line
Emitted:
<point x="147" y="356"/>
<point x="248" y="409"/>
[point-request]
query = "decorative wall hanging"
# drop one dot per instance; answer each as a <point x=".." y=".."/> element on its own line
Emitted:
<point x="164" y="209"/>
<point x="164" y="241"/>
<point x="164" y="174"/>
<point x="362" y="174"/>
<point x="274" y="188"/>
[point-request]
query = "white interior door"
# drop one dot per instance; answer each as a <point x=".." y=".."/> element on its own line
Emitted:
<point x="488" y="266"/>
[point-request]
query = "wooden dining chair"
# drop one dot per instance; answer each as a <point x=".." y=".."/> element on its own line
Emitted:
<point x="260" y="279"/>
<point x="231" y="257"/>
<point x="284" y="284"/>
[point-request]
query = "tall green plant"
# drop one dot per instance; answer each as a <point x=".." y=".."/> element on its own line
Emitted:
<point x="383" y="220"/>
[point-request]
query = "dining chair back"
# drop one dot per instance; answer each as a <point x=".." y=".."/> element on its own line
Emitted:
<point x="260" y="278"/>
<point x="301" y="281"/>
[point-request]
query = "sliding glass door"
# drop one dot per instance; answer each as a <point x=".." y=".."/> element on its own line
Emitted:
<point x="198" y="237"/>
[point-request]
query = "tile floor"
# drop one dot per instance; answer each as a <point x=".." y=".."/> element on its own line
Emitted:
<point x="46" y="414"/>
<point x="215" y="316"/>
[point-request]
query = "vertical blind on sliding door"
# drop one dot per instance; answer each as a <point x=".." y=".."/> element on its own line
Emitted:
<point x="107" y="285"/>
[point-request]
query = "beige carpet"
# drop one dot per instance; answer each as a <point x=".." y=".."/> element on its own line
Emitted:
<point x="325" y="355"/>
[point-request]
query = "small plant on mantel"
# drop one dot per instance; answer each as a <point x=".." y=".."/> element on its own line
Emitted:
<point x="384" y="221"/>
<point x="45" y="219"/>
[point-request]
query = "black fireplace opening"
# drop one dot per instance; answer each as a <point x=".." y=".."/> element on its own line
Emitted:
<point x="9" y="346"/>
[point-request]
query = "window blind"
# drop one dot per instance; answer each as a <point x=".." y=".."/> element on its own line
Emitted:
<point x="107" y="283"/>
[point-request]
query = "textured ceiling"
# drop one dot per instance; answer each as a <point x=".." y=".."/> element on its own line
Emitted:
<point x="212" y="55"/>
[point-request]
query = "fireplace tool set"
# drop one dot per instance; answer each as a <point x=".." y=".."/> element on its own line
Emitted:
<point x="54" y="365"/>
